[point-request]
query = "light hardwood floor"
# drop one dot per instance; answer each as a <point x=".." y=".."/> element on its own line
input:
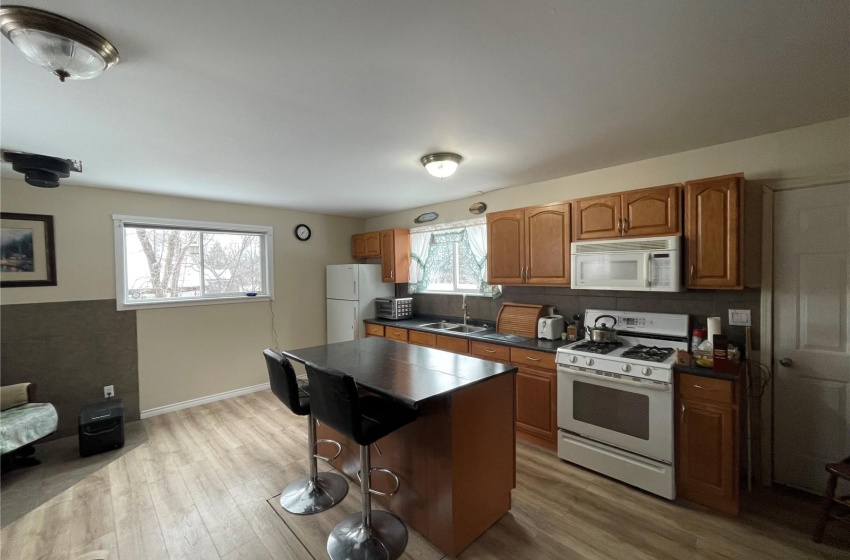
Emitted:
<point x="204" y="486"/>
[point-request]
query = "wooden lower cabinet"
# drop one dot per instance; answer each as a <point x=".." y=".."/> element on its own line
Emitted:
<point x="396" y="334"/>
<point x="374" y="330"/>
<point x="453" y="344"/>
<point x="536" y="398"/>
<point x="422" y="338"/>
<point x="707" y="456"/>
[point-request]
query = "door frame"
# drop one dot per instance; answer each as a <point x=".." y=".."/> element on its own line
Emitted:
<point x="769" y="189"/>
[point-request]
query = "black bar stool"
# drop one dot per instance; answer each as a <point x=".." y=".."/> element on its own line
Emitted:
<point x="317" y="491"/>
<point x="369" y="535"/>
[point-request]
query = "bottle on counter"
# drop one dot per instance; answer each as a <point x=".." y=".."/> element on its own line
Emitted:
<point x="698" y="336"/>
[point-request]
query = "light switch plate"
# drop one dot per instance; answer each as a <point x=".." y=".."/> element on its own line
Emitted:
<point x="740" y="317"/>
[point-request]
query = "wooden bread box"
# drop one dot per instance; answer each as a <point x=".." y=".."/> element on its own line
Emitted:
<point x="519" y="319"/>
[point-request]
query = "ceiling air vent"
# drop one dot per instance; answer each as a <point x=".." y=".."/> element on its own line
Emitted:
<point x="41" y="171"/>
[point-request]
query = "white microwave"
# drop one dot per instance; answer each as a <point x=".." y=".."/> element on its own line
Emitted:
<point x="646" y="264"/>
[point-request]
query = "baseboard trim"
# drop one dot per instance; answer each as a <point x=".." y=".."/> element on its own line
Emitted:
<point x="202" y="400"/>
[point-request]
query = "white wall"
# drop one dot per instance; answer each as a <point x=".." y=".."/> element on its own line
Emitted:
<point x="811" y="152"/>
<point x="188" y="352"/>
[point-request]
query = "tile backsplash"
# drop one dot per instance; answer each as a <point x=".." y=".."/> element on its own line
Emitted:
<point x="698" y="304"/>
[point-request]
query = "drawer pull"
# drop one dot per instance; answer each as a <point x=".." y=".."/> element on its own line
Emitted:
<point x="397" y="333"/>
<point x="532" y="359"/>
<point x="488" y="350"/>
<point x="703" y="388"/>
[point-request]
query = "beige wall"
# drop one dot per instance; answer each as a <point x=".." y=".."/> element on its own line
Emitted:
<point x="188" y="352"/>
<point x="806" y="153"/>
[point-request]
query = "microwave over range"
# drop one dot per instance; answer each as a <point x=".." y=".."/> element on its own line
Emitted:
<point x="640" y="264"/>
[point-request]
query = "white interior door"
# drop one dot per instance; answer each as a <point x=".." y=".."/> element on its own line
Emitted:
<point x="811" y="326"/>
<point x="342" y="320"/>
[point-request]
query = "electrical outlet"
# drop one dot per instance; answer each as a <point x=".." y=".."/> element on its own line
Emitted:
<point x="740" y="317"/>
<point x="108" y="391"/>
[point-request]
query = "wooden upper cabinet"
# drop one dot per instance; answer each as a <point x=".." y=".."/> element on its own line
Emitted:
<point x="506" y="247"/>
<point x="372" y="244"/>
<point x="597" y="218"/>
<point x="358" y="246"/>
<point x="366" y="245"/>
<point x="395" y="255"/>
<point x="547" y="232"/>
<point x="713" y="240"/>
<point x="654" y="211"/>
<point x="640" y="213"/>
<point x="529" y="245"/>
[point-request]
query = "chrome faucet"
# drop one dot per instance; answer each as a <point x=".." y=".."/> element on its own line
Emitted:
<point x="465" y="309"/>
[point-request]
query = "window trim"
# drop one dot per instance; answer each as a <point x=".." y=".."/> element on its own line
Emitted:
<point x="119" y="221"/>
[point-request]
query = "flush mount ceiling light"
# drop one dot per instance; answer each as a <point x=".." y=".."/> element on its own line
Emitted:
<point x="66" y="48"/>
<point x="40" y="170"/>
<point x="442" y="164"/>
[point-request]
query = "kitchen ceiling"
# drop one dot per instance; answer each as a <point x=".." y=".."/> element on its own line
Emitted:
<point x="328" y="106"/>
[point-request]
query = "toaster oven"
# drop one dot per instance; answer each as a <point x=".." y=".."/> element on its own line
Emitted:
<point x="394" y="308"/>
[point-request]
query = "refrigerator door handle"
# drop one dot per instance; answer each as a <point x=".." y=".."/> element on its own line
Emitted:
<point x="354" y="324"/>
<point x="355" y="288"/>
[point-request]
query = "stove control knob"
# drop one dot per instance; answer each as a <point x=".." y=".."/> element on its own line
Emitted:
<point x="589" y="361"/>
<point x="573" y="359"/>
<point x="646" y="371"/>
<point x="627" y="368"/>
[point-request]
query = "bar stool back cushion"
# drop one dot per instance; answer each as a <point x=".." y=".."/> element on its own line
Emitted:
<point x="335" y="401"/>
<point x="284" y="385"/>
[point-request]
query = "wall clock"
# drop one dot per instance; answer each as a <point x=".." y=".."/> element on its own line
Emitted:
<point x="302" y="232"/>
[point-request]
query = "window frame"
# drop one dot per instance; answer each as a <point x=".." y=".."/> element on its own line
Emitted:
<point x="448" y="227"/>
<point x="266" y="234"/>
<point x="455" y="274"/>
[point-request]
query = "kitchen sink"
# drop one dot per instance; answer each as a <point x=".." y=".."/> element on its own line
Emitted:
<point x="441" y="326"/>
<point x="466" y="329"/>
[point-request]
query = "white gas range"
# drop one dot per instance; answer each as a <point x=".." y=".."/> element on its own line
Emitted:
<point x="615" y="400"/>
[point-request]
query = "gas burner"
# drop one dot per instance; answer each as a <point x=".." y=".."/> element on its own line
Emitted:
<point x="597" y="347"/>
<point x="648" y="353"/>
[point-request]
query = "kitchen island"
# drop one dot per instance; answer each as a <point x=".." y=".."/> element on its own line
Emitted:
<point x="457" y="461"/>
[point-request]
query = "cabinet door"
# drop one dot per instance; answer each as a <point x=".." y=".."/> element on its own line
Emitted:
<point x="358" y="246"/>
<point x="706" y="470"/>
<point x="713" y="209"/>
<point x="654" y="211"/>
<point x="387" y="254"/>
<point x="597" y="218"/>
<point x="372" y="244"/>
<point x="453" y="344"/>
<point x="547" y="232"/>
<point x="536" y="394"/>
<point x="506" y="247"/>
<point x="395" y="255"/>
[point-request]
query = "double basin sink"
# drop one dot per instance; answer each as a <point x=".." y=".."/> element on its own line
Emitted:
<point x="452" y="327"/>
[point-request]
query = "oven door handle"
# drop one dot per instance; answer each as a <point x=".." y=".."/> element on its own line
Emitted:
<point x="605" y="379"/>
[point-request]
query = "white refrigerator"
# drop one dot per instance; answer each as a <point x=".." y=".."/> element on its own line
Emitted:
<point x="352" y="289"/>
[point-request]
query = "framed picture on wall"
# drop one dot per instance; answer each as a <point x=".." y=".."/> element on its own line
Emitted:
<point x="27" y="252"/>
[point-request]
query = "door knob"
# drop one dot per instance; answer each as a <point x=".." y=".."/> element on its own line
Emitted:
<point x="787" y="362"/>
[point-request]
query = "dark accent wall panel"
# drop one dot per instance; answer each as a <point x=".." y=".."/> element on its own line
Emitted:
<point x="71" y="350"/>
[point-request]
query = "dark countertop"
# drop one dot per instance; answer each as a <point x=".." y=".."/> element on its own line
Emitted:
<point x="406" y="372"/>
<point x="706" y="372"/>
<point x="416" y="323"/>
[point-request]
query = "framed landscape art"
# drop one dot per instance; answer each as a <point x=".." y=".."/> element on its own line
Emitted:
<point x="27" y="253"/>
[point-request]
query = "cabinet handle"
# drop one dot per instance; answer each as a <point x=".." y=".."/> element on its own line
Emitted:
<point x="619" y="226"/>
<point x="532" y="359"/>
<point x="692" y="271"/>
<point x="392" y="274"/>
<point x="703" y="388"/>
<point x="683" y="414"/>
<point x="625" y="225"/>
<point x="527" y="273"/>
<point x="488" y="350"/>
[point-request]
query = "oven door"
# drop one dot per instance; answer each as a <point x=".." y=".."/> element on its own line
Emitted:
<point x="611" y="271"/>
<point x="628" y="413"/>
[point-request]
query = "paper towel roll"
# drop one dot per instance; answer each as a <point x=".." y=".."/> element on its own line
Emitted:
<point x="713" y="328"/>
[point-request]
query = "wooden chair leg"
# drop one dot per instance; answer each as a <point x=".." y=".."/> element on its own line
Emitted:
<point x="828" y="495"/>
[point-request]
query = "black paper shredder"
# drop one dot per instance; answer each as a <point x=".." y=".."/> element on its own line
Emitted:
<point x="101" y="427"/>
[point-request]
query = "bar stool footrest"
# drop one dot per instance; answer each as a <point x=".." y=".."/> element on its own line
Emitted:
<point x="322" y="457"/>
<point x="385" y="471"/>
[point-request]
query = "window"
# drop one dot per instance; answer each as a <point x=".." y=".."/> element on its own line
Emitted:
<point x="162" y="263"/>
<point x="449" y="258"/>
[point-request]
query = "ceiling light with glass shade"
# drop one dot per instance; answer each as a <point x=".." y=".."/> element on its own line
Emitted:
<point x="66" y="48"/>
<point x="442" y="164"/>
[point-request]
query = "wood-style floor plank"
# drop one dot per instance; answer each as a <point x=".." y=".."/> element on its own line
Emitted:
<point x="205" y="485"/>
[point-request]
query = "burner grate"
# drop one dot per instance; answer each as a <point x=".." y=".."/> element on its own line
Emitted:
<point x="648" y="353"/>
<point x="597" y="347"/>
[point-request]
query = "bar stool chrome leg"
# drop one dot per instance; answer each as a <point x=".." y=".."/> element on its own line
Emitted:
<point x="318" y="491"/>
<point x="368" y="535"/>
